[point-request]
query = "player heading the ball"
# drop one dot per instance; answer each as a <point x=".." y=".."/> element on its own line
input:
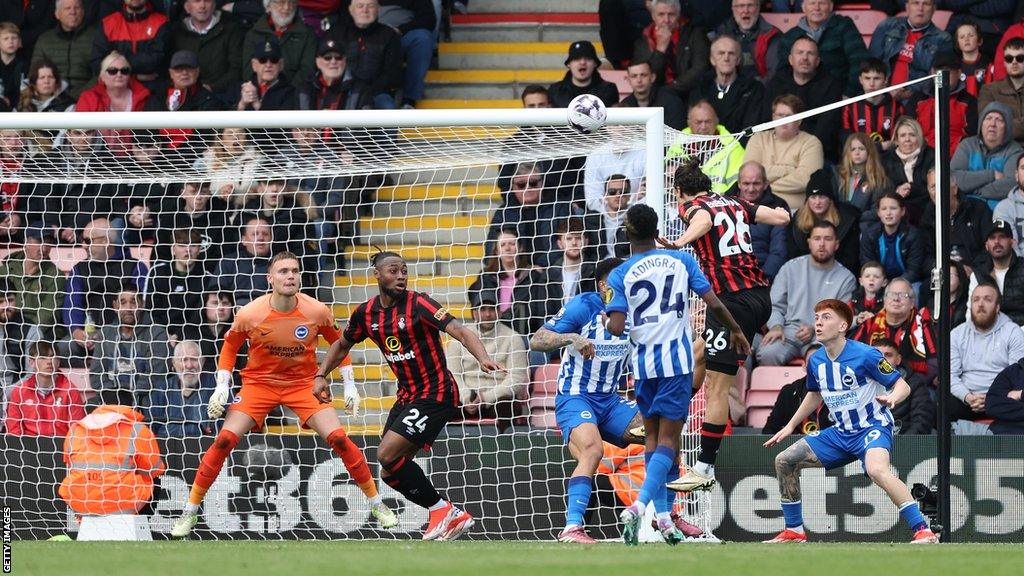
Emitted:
<point x="282" y="329"/>
<point x="860" y="388"/>
<point x="407" y="326"/>
<point x="651" y="292"/>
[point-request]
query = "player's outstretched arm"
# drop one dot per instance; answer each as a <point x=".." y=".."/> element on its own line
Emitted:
<point x="457" y="330"/>
<point x="698" y="225"/>
<point x="811" y="402"/>
<point x="900" y="392"/>
<point x="772" y="216"/>
<point x="548" y="341"/>
<point x="736" y="338"/>
<point x="335" y="354"/>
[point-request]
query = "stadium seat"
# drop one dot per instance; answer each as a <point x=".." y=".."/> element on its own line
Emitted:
<point x="542" y="402"/>
<point x="761" y="398"/>
<point x="742" y="381"/>
<point x="782" y="21"/>
<point x="543" y="419"/>
<point x="618" y="77"/>
<point x="545" y="379"/>
<point x="79" y="377"/>
<point x="7" y="251"/>
<point x="758" y="417"/>
<point x="773" y="377"/>
<point x="66" y="257"/>
<point x="866" y="21"/>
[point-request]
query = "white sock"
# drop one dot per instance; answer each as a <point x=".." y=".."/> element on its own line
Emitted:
<point x="798" y="529"/>
<point x="570" y="526"/>
<point x="376" y="500"/>
<point x="440" y="504"/>
<point x="704" y="469"/>
<point x="663" y="517"/>
<point x="191" y="508"/>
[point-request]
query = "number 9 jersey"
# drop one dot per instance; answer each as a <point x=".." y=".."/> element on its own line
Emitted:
<point x="652" y="289"/>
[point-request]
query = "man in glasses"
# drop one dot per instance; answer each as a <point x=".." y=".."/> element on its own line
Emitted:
<point x="268" y="87"/>
<point x="910" y="327"/>
<point x="1010" y="90"/>
<point x="332" y="87"/>
<point x="532" y="211"/>
<point x="140" y="34"/>
<point x="297" y="43"/>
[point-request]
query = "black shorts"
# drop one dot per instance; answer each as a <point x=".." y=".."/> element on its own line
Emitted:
<point x="420" y="421"/>
<point x="751" y="308"/>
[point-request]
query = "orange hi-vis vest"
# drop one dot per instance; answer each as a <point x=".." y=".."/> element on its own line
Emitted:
<point x="625" y="469"/>
<point x="112" y="459"/>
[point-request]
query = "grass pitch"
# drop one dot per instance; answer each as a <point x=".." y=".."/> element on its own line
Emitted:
<point x="294" y="558"/>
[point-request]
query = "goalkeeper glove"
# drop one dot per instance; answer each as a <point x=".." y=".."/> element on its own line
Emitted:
<point x="219" y="400"/>
<point x="352" y="398"/>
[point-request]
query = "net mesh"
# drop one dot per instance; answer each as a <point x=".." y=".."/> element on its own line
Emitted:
<point x="188" y="218"/>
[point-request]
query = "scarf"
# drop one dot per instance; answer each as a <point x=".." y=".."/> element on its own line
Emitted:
<point x="670" y="71"/>
<point x="909" y="161"/>
<point x="913" y="336"/>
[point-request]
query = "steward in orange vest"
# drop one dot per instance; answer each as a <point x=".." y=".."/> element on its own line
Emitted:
<point x="112" y="459"/>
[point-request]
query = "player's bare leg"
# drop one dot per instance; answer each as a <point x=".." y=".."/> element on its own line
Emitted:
<point x="587" y="449"/>
<point x="328" y="426"/>
<point x="788" y="465"/>
<point x="236" y="425"/>
<point x="400" y="471"/>
<point x="716" y="414"/>
<point x="876" y="463"/>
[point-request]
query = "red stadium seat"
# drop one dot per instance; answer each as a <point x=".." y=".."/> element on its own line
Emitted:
<point x="79" y="377"/>
<point x="142" y="253"/>
<point x="742" y="382"/>
<point x="545" y="379"/>
<point x="542" y="402"/>
<point x="782" y="21"/>
<point x="866" y="21"/>
<point x="618" y="77"/>
<point x="758" y="417"/>
<point x="543" y="419"/>
<point x="65" y="258"/>
<point x="761" y="398"/>
<point x="774" y="377"/>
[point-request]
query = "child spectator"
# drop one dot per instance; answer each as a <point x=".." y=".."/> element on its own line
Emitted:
<point x="12" y="64"/>
<point x="896" y="244"/>
<point x="974" y="65"/>
<point x="860" y="178"/>
<point x="875" y="116"/>
<point x="46" y="403"/>
<point x="869" y="295"/>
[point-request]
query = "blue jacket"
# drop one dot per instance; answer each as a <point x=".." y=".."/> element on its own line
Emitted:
<point x="1007" y="412"/>
<point x="175" y="416"/>
<point x="909" y="249"/>
<point x="890" y="36"/>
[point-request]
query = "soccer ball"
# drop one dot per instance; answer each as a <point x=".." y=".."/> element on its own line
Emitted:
<point x="587" y="113"/>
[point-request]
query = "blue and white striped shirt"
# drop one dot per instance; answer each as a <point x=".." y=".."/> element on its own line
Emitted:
<point x="849" y="384"/>
<point x="601" y="374"/>
<point x="652" y="289"/>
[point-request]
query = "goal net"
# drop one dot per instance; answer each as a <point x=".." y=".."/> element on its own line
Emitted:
<point x="129" y="245"/>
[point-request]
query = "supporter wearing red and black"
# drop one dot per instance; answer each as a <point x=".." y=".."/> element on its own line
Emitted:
<point x="175" y="288"/>
<point x="646" y="94"/>
<point x="46" y="403"/>
<point x="583" y="78"/>
<point x="758" y="39"/>
<point x="69" y="45"/>
<point x="893" y="242"/>
<point x="1000" y="22"/>
<point x="677" y="50"/>
<point x="907" y="44"/>
<point x="809" y="80"/>
<point x="874" y="116"/>
<point x="975" y="65"/>
<point x="840" y="43"/>
<point x="822" y="205"/>
<point x="15" y="197"/>
<point x="116" y="91"/>
<point x="295" y="41"/>
<point x="15" y="334"/>
<point x="92" y="285"/>
<point x="216" y="40"/>
<point x="321" y="16"/>
<point x="373" y="53"/>
<point x="268" y="88"/>
<point x="1003" y="401"/>
<point x="1003" y="268"/>
<point x="963" y="108"/>
<point x="906" y="165"/>
<point x="330" y="88"/>
<point x="182" y="93"/>
<point x="906" y="325"/>
<point x="735" y="96"/>
<point x="1010" y="89"/>
<point x="767" y="242"/>
<point x="140" y="34"/>
<point x="533" y="211"/>
<point x="789" y="399"/>
<point x="621" y="22"/>
<point x="32" y="17"/>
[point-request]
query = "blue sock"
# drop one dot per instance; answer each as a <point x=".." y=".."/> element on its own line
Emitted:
<point x="911" y="512"/>
<point x="670" y="496"/>
<point x="793" y="511"/>
<point x="577" y="498"/>
<point x="654" y="479"/>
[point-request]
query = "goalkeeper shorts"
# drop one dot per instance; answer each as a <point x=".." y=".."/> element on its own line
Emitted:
<point x="256" y="400"/>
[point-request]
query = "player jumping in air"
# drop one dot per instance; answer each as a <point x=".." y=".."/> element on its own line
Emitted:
<point x="282" y="329"/>
<point x="859" y="387"/>
<point x="652" y="287"/>
<point x="719" y="229"/>
<point x="407" y="326"/>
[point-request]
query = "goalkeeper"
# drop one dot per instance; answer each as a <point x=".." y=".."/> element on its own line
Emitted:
<point x="282" y="329"/>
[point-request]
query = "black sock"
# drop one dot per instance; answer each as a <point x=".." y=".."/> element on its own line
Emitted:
<point x="408" y="478"/>
<point x="710" y="441"/>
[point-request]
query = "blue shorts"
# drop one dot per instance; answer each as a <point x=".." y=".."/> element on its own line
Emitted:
<point x="610" y="412"/>
<point x="835" y="448"/>
<point x="665" y="397"/>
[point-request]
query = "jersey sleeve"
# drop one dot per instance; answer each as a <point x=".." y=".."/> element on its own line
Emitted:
<point x="328" y="327"/>
<point x="233" y="341"/>
<point x="615" y="300"/>
<point x="690" y="209"/>
<point x="879" y="368"/>
<point x="355" y="332"/>
<point x="570" y="319"/>
<point x="749" y="208"/>
<point x="812" y="376"/>
<point x="432" y="312"/>
<point x="698" y="281"/>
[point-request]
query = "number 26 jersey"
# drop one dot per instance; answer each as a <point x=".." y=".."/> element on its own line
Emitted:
<point x="726" y="251"/>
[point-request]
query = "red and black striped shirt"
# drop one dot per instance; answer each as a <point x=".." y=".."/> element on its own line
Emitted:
<point x="409" y="335"/>
<point x="725" y="252"/>
<point x="875" y="120"/>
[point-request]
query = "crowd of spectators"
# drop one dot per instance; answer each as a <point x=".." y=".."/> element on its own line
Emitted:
<point x="858" y="180"/>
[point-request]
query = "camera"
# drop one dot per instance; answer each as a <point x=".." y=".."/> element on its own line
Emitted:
<point x="928" y="499"/>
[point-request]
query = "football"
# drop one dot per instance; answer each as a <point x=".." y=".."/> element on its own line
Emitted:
<point x="587" y="113"/>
